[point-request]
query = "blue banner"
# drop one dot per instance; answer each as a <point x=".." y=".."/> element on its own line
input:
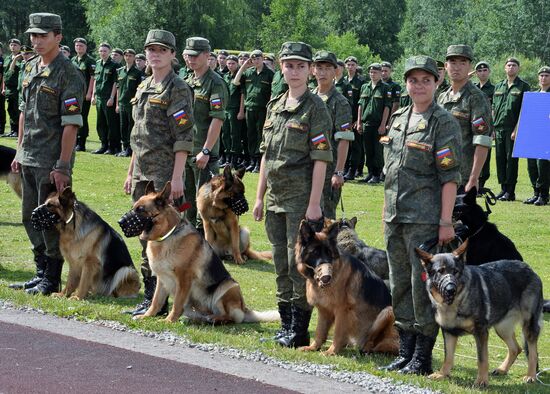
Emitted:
<point x="533" y="135"/>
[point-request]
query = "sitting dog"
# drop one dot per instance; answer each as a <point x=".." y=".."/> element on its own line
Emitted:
<point x="471" y="299"/>
<point x="7" y="155"/>
<point x="346" y="293"/>
<point x="186" y="266"/>
<point x="99" y="261"/>
<point x="220" y="202"/>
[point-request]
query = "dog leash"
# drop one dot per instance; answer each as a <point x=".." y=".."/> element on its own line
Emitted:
<point x="490" y="199"/>
<point x="342" y="206"/>
<point x="538" y="376"/>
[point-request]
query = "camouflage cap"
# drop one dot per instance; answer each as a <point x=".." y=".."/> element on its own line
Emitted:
<point x="80" y="40"/>
<point x="421" y="62"/>
<point x="350" y="59"/>
<point x="375" y="66"/>
<point x="460" y="50"/>
<point x="223" y="52"/>
<point x="256" y="53"/>
<point x="440" y="64"/>
<point x="512" y="60"/>
<point x="194" y="46"/>
<point x="295" y="50"/>
<point x="386" y="64"/>
<point x="244" y="54"/>
<point x="160" y="37"/>
<point x="14" y="41"/>
<point x="119" y="51"/>
<point x="482" y="64"/>
<point x="325" y="57"/>
<point x="140" y="56"/>
<point x="130" y="51"/>
<point x="269" y="57"/>
<point x="233" y="57"/>
<point x="105" y="44"/>
<point x="544" y="70"/>
<point x="43" y="23"/>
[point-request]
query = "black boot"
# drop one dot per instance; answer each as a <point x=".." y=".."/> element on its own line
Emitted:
<point x="298" y="334"/>
<point x="101" y="150"/>
<point x="235" y="161"/>
<point x="421" y="362"/>
<point x="250" y="168"/>
<point x="407" y="342"/>
<point x="149" y="286"/>
<point x="40" y="262"/>
<point x="285" y="310"/>
<point x="510" y="194"/>
<point x="542" y="200"/>
<point x="546" y="306"/>
<point x="531" y="200"/>
<point x="502" y="192"/>
<point x="350" y="175"/>
<point x="257" y="162"/>
<point x="51" y="282"/>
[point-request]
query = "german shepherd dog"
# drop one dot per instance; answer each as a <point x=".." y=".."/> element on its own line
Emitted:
<point x="7" y="155"/>
<point x="471" y="299"/>
<point x="220" y="202"/>
<point x="347" y="294"/>
<point x="99" y="261"/>
<point x="188" y="269"/>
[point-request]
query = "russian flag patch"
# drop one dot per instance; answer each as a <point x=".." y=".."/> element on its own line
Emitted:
<point x="318" y="139"/>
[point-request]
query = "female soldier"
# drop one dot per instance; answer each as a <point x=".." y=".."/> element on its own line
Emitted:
<point x="422" y="159"/>
<point x="162" y="136"/>
<point x="295" y="150"/>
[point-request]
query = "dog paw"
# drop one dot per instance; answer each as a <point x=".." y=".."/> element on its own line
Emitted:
<point x="138" y="317"/>
<point x="529" y="379"/>
<point x="58" y="295"/>
<point x="498" y="372"/>
<point x="481" y="382"/>
<point x="329" y="352"/>
<point x="75" y="298"/>
<point x="437" y="376"/>
<point x="171" y="319"/>
<point x="239" y="261"/>
<point x="307" y="349"/>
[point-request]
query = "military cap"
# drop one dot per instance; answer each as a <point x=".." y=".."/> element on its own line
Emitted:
<point x="196" y="45"/>
<point x="130" y="51"/>
<point x="244" y="54"/>
<point x="294" y="50"/>
<point x="233" y="57"/>
<point x="140" y="56"/>
<point x="325" y="57"/>
<point x="65" y="48"/>
<point x="421" y="62"/>
<point x="14" y="41"/>
<point x="386" y="64"/>
<point x="256" y="53"/>
<point x="119" y="51"/>
<point x="351" y="59"/>
<point x="375" y="66"/>
<point x="213" y="54"/>
<point x="482" y="64"/>
<point x="440" y="64"/>
<point x="223" y="52"/>
<point x="27" y="49"/>
<point x="160" y="37"/>
<point x="269" y="57"/>
<point x="80" y="40"/>
<point x="544" y="70"/>
<point x="340" y="62"/>
<point x="105" y="44"/>
<point x="460" y="50"/>
<point x="42" y="23"/>
<point x="513" y="60"/>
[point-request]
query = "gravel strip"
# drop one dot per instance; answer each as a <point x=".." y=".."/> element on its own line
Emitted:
<point x="363" y="380"/>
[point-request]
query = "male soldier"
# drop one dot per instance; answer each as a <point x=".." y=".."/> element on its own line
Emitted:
<point x="86" y="65"/>
<point x="506" y="108"/>
<point x="357" y="146"/>
<point x="66" y="51"/>
<point x="141" y="62"/>
<point x="278" y="85"/>
<point x="222" y="62"/>
<point x="339" y="108"/>
<point x="395" y="88"/>
<point x="129" y="78"/>
<point x="235" y="128"/>
<point x="483" y="72"/>
<point x="53" y="92"/>
<point x="256" y="80"/>
<point x="213" y="62"/>
<point x="373" y="112"/>
<point x="269" y="62"/>
<point x="26" y="54"/>
<point x="103" y="96"/>
<point x="209" y="112"/>
<point x="442" y="84"/>
<point x="9" y="85"/>
<point x="342" y="86"/>
<point x="243" y="57"/>
<point x="117" y="55"/>
<point x="471" y="109"/>
<point x="539" y="169"/>
<point x="2" y="98"/>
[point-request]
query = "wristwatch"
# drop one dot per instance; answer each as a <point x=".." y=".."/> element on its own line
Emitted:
<point x="339" y="173"/>
<point x="206" y="151"/>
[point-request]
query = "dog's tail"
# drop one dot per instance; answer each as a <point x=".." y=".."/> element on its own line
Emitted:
<point x="14" y="180"/>
<point x="125" y="283"/>
<point x="251" y="316"/>
<point x="255" y="255"/>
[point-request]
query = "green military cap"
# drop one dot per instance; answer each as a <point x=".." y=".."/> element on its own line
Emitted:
<point x="119" y="51"/>
<point x="196" y="45"/>
<point x="340" y="62"/>
<point x="544" y="70"/>
<point x="42" y="23"/>
<point x="421" y="62"/>
<point x="26" y="49"/>
<point x="460" y="50"/>
<point x="440" y="64"/>
<point x="325" y="57"/>
<point x="295" y="50"/>
<point x="375" y="66"/>
<point x="269" y="57"/>
<point x="244" y="54"/>
<point x="386" y="64"/>
<point x="513" y="60"/>
<point x="233" y="57"/>
<point x="351" y="59"/>
<point x="14" y="41"/>
<point x="65" y="48"/>
<point x="105" y="44"/>
<point x="130" y="51"/>
<point x="140" y="56"/>
<point x="160" y="37"/>
<point x="256" y="53"/>
<point x="482" y="64"/>
<point x="80" y="40"/>
<point x="223" y="52"/>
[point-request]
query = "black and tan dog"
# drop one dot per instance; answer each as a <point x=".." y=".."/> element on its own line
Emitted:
<point x="187" y="267"/>
<point x="220" y="202"/>
<point x="7" y="155"/>
<point x="99" y="261"/>
<point x="346" y="293"/>
<point x="471" y="299"/>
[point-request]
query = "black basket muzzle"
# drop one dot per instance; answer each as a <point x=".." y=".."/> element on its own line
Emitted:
<point x="237" y="204"/>
<point x="133" y="224"/>
<point x="43" y="219"/>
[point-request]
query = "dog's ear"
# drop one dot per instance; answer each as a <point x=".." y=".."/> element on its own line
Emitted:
<point x="240" y="172"/>
<point x="332" y="236"/>
<point x="459" y="252"/>
<point x="67" y="196"/>
<point x="164" y="195"/>
<point x="470" y="197"/>
<point x="228" y="175"/>
<point x="150" y="187"/>
<point x="425" y="257"/>
<point x="307" y="233"/>
<point x="353" y="222"/>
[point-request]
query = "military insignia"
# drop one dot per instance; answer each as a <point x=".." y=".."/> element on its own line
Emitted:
<point x="350" y="92"/>
<point x="319" y="139"/>
<point x="268" y="123"/>
<point x="216" y="103"/>
<point x="93" y="66"/>
<point x="201" y="97"/>
<point x="28" y="67"/>
<point x="445" y="158"/>
<point x="385" y="140"/>
<point x="71" y="104"/>
<point x="461" y="115"/>
<point x="345" y="126"/>
<point x="377" y="95"/>
<point x="25" y="83"/>
<point x="322" y="146"/>
<point x="181" y="117"/>
<point x="421" y="126"/>
<point x="479" y="124"/>
<point x="47" y="89"/>
<point x="45" y="73"/>
<point x="388" y="94"/>
<point x="153" y="100"/>
<point x="419" y="145"/>
<point x="398" y="92"/>
<point x="294" y="124"/>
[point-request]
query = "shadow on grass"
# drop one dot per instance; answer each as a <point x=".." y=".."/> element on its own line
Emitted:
<point x="16" y="275"/>
<point x="11" y="224"/>
<point x="257" y="265"/>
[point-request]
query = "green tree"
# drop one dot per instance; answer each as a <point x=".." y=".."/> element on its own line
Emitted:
<point x="347" y="44"/>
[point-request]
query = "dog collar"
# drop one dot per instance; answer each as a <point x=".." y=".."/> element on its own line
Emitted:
<point x="70" y="218"/>
<point x="166" y="235"/>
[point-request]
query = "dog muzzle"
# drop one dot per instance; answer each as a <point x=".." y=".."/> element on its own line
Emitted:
<point x="323" y="274"/>
<point x="133" y="224"/>
<point x="237" y="204"/>
<point x="447" y="287"/>
<point x="43" y="219"/>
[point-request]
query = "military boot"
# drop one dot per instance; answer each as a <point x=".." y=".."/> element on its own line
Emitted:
<point x="298" y="334"/>
<point x="149" y="284"/>
<point x="502" y="192"/>
<point x="285" y="310"/>
<point x="51" y="282"/>
<point x="40" y="262"/>
<point x="407" y="342"/>
<point x="421" y="362"/>
<point x="531" y="200"/>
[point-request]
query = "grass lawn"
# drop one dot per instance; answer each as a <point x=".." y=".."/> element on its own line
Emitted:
<point x="98" y="181"/>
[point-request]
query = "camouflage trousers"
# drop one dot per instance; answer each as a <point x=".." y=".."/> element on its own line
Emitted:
<point x="194" y="179"/>
<point x="282" y="231"/>
<point x="411" y="304"/>
<point x="36" y="186"/>
<point x="331" y="196"/>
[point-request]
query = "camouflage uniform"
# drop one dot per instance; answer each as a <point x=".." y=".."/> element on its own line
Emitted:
<point x="86" y="65"/>
<point x="127" y="83"/>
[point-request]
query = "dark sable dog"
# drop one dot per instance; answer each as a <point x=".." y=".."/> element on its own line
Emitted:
<point x="471" y="299"/>
<point x="187" y="268"/>
<point x="220" y="202"/>
<point x="346" y="293"/>
<point x="7" y="155"/>
<point x="99" y="261"/>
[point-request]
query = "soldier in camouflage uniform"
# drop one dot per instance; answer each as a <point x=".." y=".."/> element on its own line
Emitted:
<point x="162" y="136"/>
<point x="210" y="100"/>
<point x="472" y="110"/>
<point x="86" y="65"/>
<point x="483" y="73"/>
<point x="53" y="92"/>
<point x="423" y="152"/>
<point x="296" y="148"/>
<point x="325" y="65"/>
<point x="9" y="85"/>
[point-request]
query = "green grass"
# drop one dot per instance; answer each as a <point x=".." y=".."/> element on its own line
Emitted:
<point x="98" y="181"/>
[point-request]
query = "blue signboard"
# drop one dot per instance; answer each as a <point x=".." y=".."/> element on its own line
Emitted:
<point x="533" y="136"/>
